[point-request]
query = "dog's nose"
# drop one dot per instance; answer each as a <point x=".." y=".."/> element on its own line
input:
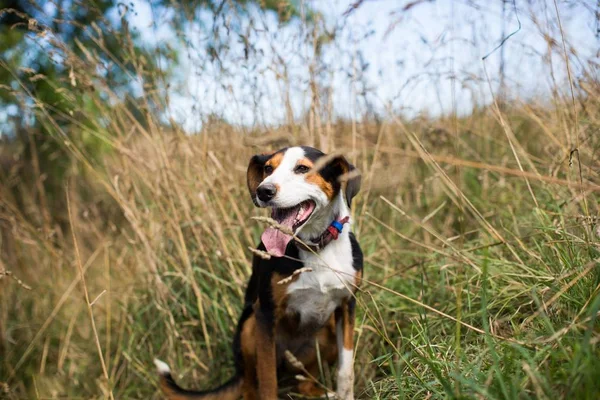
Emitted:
<point x="266" y="192"/>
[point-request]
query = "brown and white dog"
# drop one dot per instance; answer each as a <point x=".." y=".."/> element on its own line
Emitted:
<point x="314" y="307"/>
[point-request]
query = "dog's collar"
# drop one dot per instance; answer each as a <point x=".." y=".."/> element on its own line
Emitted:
<point x="331" y="233"/>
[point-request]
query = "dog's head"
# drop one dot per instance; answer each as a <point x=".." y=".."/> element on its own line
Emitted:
<point x="305" y="188"/>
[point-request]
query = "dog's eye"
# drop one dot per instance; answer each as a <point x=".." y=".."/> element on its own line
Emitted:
<point x="268" y="169"/>
<point x="301" y="169"/>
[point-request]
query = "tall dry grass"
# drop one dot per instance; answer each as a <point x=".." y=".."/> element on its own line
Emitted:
<point x="513" y="299"/>
<point x="480" y="236"/>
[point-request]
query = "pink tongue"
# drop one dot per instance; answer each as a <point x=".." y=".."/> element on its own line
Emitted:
<point x="276" y="241"/>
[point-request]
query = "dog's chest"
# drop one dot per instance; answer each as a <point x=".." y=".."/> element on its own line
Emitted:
<point x="316" y="294"/>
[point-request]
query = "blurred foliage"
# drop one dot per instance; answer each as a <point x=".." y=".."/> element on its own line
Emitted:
<point x="45" y="102"/>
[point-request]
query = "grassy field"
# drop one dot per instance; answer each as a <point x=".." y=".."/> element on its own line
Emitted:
<point x="480" y="235"/>
<point x="123" y="238"/>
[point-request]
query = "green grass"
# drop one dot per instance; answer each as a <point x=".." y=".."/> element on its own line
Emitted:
<point x="470" y="291"/>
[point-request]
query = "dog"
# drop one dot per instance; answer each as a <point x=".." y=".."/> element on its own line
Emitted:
<point x="301" y="293"/>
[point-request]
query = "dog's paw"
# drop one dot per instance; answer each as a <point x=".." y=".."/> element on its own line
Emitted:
<point x="345" y="376"/>
<point x="345" y="388"/>
<point x="345" y="394"/>
<point x="328" y="396"/>
<point x="309" y="389"/>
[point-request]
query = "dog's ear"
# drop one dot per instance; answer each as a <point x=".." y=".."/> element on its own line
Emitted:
<point x="353" y="181"/>
<point x="351" y="177"/>
<point x="255" y="173"/>
<point x="345" y="174"/>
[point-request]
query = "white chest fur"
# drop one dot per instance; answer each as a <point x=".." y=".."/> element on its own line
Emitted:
<point x="316" y="294"/>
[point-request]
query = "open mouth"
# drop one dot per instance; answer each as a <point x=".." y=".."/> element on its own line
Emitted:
<point x="293" y="218"/>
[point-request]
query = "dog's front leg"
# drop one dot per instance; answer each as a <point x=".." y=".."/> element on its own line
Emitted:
<point x="266" y="363"/>
<point x="345" y="344"/>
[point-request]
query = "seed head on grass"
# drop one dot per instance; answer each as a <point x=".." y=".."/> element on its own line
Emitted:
<point x="4" y="273"/>
<point x="294" y="275"/>
<point x="293" y="360"/>
<point x="262" y="254"/>
<point x="275" y="225"/>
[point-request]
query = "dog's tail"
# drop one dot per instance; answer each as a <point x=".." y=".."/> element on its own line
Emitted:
<point x="230" y="390"/>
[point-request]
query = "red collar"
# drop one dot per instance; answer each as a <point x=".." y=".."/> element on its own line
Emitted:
<point x="331" y="233"/>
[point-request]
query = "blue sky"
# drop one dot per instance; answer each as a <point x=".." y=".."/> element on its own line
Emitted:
<point x="414" y="58"/>
<point x="411" y="57"/>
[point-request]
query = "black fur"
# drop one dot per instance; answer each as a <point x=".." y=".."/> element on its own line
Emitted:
<point x="259" y="286"/>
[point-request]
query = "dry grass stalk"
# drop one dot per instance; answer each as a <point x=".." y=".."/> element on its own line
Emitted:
<point x="294" y="275"/>
<point x="275" y="224"/>
<point x="87" y="297"/>
<point x="4" y="272"/>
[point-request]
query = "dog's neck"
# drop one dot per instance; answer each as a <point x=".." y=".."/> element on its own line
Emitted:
<point x="322" y="218"/>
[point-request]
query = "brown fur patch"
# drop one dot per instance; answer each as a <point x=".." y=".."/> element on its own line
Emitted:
<point x="310" y="389"/>
<point x="266" y="362"/>
<point x="248" y="345"/>
<point x="280" y="296"/>
<point x="275" y="161"/>
<point x="249" y="391"/>
<point x="248" y="339"/>
<point x="169" y="393"/>
<point x="348" y="326"/>
<point x="326" y="340"/>
<point x="256" y="171"/>
<point x="315" y="178"/>
<point x="230" y="393"/>
<point x="357" y="280"/>
<point x="254" y="175"/>
<point x="254" y="179"/>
